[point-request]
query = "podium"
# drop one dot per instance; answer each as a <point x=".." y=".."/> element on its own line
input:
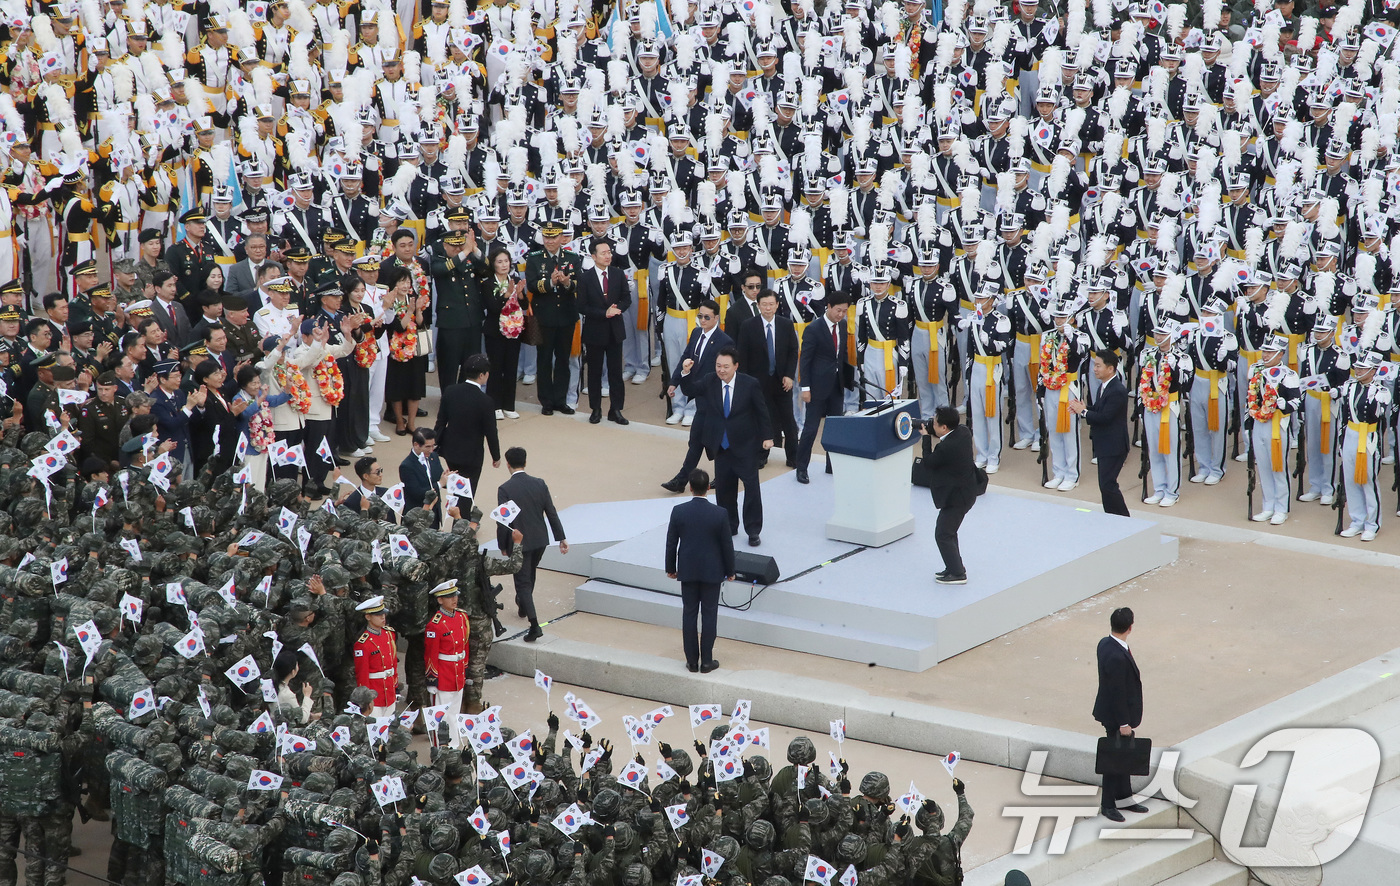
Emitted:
<point x="871" y="459"/>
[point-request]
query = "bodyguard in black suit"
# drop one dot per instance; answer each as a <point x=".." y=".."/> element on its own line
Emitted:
<point x="421" y="474"/>
<point x="466" y="422"/>
<point x="699" y="552"/>
<point x="704" y="344"/>
<point x="735" y="432"/>
<point x="825" y="374"/>
<point x="603" y="299"/>
<point x="741" y="309"/>
<point x="1108" y="430"/>
<point x="1118" y="705"/>
<point x="365" y="494"/>
<point x="768" y="352"/>
<point x="531" y="495"/>
<point x="953" y="482"/>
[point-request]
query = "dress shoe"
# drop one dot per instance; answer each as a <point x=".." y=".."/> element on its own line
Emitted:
<point x="1279" y="518"/>
<point x="520" y="611"/>
<point x="1310" y="496"/>
<point x="527" y="379"/>
<point x="710" y="665"/>
<point x="316" y="492"/>
<point x="567" y="410"/>
<point x="533" y="634"/>
<point x="948" y="578"/>
<point x="378" y="436"/>
<point x="1167" y="501"/>
<point x="596" y="417"/>
<point x="422" y="413"/>
<point x="762" y="463"/>
<point x="639" y="379"/>
<point x="674" y="418"/>
<point x="753" y="541"/>
<point x="362" y="452"/>
<point x="1053" y="483"/>
<point x="1214" y="480"/>
<point x="1262" y="517"/>
<point x="1035" y="445"/>
<point x="992" y="469"/>
<point x="617" y="417"/>
<point x="342" y="462"/>
<point x="1368" y="535"/>
<point x="402" y="432"/>
<point x="687" y="421"/>
<point x="940" y="574"/>
<point x="511" y="413"/>
<point x="656" y="359"/>
<point x="547" y="410"/>
<point x="802" y="476"/>
<point x="1155" y="498"/>
<point x="1242" y="457"/>
<point x="1069" y="484"/>
<point x="1326" y="500"/>
<point x="1021" y="444"/>
<point x="1136" y="808"/>
<point x="500" y="415"/>
<point x="607" y="392"/>
<point x="692" y="667"/>
<point x="792" y="462"/>
<point x="1350" y="532"/>
<point x="675" y="484"/>
<point x="1112" y="815"/>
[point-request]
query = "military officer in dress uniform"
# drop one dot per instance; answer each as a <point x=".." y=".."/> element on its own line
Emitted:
<point x="100" y="421"/>
<point x="445" y="649"/>
<point x="882" y="335"/>
<point x="1064" y="354"/>
<point x="933" y="300"/>
<point x="1164" y="371"/>
<point x="1362" y="405"/>
<point x="682" y="287"/>
<point x="1325" y="369"/>
<point x="1272" y="397"/>
<point x="1213" y="349"/>
<point x="377" y="657"/>
<point x="277" y="317"/>
<point x="243" y="339"/>
<point x="989" y="335"/>
<point x="1030" y="318"/>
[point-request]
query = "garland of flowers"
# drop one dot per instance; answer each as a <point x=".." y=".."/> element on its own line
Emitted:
<point x="403" y="346"/>
<point x="1155" y="384"/>
<point x="367" y="351"/>
<point x="512" y="317"/>
<point x="1054" y="360"/>
<point x="1262" y="397"/>
<point x="260" y="431"/>
<point x="290" y="379"/>
<point x="330" y="380"/>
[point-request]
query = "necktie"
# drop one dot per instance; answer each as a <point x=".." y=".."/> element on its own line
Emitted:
<point x="836" y="341"/>
<point x="605" y="285"/>
<point x="724" y="441"/>
<point x="699" y="347"/>
<point x="772" y="355"/>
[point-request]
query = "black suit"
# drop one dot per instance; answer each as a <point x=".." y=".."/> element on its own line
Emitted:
<point x="1118" y="704"/>
<point x="602" y="336"/>
<point x="467" y="420"/>
<point x="531" y="495"/>
<point x="734" y="438"/>
<point x="704" y="365"/>
<point x="753" y="360"/>
<point x="953" y="484"/>
<point x="419" y="484"/>
<point x="353" y="500"/>
<point x="740" y="310"/>
<point x="700" y="552"/>
<point x="1108" y="432"/>
<point x="825" y="373"/>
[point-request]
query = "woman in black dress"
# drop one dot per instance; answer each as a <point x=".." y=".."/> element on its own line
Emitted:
<point x="352" y="416"/>
<point x="506" y="302"/>
<point x="406" y="380"/>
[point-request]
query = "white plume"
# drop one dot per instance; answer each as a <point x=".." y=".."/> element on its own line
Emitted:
<point x="839" y="206"/>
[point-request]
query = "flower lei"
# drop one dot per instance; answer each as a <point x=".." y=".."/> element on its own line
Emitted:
<point x="1155" y="384"/>
<point x="512" y="317"/>
<point x="1054" y="360"/>
<point x="404" y="345"/>
<point x="260" y="431"/>
<point x="330" y="381"/>
<point x="290" y="379"/>
<point x="367" y="351"/>
<point x="1262" y="397"/>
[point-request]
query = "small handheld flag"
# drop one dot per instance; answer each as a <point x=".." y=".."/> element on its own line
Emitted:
<point x="261" y="780"/>
<point x="143" y="702"/>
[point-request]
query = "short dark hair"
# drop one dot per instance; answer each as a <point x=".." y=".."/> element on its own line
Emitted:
<point x="142" y="424"/>
<point x="699" y="481"/>
<point x="52" y="299"/>
<point x="35" y="324"/>
<point x="515" y="457"/>
<point x="711" y="305"/>
<point x="729" y="351"/>
<point x="752" y="271"/>
<point x="767" y="293"/>
<point x="362" y="465"/>
<point x="246" y="374"/>
<point x="837" y="298"/>
<point x="159" y="277"/>
<point x="599" y="241"/>
<point x="1120" y="620"/>
<point x="1109" y="358"/>
<point x="946" y="416"/>
<point x="403" y="234"/>
<point x="423" y="436"/>
<point x="208" y="332"/>
<point x="476" y="366"/>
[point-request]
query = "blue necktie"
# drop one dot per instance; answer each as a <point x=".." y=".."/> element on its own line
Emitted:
<point x="772" y="356"/>
<point x="724" y="442"/>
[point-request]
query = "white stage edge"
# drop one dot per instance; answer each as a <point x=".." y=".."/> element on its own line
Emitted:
<point x="1025" y="560"/>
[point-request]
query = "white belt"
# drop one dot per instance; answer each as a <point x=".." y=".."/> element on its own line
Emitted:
<point x="455" y="657"/>
<point x="380" y="675"/>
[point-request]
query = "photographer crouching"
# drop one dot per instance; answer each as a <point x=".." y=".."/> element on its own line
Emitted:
<point x="955" y="482"/>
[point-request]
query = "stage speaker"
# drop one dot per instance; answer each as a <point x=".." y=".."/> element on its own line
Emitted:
<point x="755" y="568"/>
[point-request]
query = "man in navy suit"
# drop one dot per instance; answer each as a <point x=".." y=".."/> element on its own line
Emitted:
<point x="1118" y="705"/>
<point x="421" y="473"/>
<point x="825" y="374"/>
<point x="699" y="552"/>
<point x="704" y="344"/>
<point x="767" y="345"/>
<point x="603" y="300"/>
<point x="1108" y="430"/>
<point x="735" y="431"/>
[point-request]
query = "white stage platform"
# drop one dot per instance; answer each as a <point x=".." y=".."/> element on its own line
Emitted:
<point x="1025" y="560"/>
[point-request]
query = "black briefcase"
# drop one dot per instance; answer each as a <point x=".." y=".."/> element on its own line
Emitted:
<point x="921" y="474"/>
<point x="1124" y="755"/>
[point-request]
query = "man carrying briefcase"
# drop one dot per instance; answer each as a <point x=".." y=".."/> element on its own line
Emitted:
<point x="1118" y="707"/>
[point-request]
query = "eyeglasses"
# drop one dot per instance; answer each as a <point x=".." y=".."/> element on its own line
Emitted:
<point x="375" y="471"/>
<point x="751" y="286"/>
<point x="704" y="316"/>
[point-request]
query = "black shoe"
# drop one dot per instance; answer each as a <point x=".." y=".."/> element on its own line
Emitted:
<point x="316" y="492"/>
<point x="1112" y="814"/>
<point x="802" y="476"/>
<point x="596" y="417"/>
<point x="616" y="415"/>
<point x="422" y="413"/>
<point x="341" y="462"/>
<point x="940" y="574"/>
<point x="546" y="410"/>
<point x="712" y="484"/>
<point x="709" y="666"/>
<point x="1137" y="808"/>
<point x="533" y="634"/>
<point x="753" y="540"/>
<point x="402" y="432"/>
<point x="675" y="484"/>
<point x="950" y="579"/>
<point x="567" y="410"/>
<point x="763" y="463"/>
<point x="693" y="668"/>
<point x="792" y="463"/>
<point x="520" y="612"/>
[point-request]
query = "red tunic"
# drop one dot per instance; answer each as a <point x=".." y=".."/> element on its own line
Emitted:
<point x="445" y="649"/>
<point x="377" y="665"/>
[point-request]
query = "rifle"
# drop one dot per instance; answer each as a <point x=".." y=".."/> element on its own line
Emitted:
<point x="1189" y="429"/>
<point x="1253" y="476"/>
<point x="489" y="593"/>
<point x="1339" y="497"/>
<point x="1143" y="458"/>
<point x="1234" y="424"/>
<point x="665" y="370"/>
<point x="1011" y="392"/>
<point x="1300" y="462"/>
<point x="1044" y="456"/>
<point x="954" y="365"/>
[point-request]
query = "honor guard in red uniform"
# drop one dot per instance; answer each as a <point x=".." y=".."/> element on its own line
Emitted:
<point x="445" y="654"/>
<point x="377" y="657"/>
